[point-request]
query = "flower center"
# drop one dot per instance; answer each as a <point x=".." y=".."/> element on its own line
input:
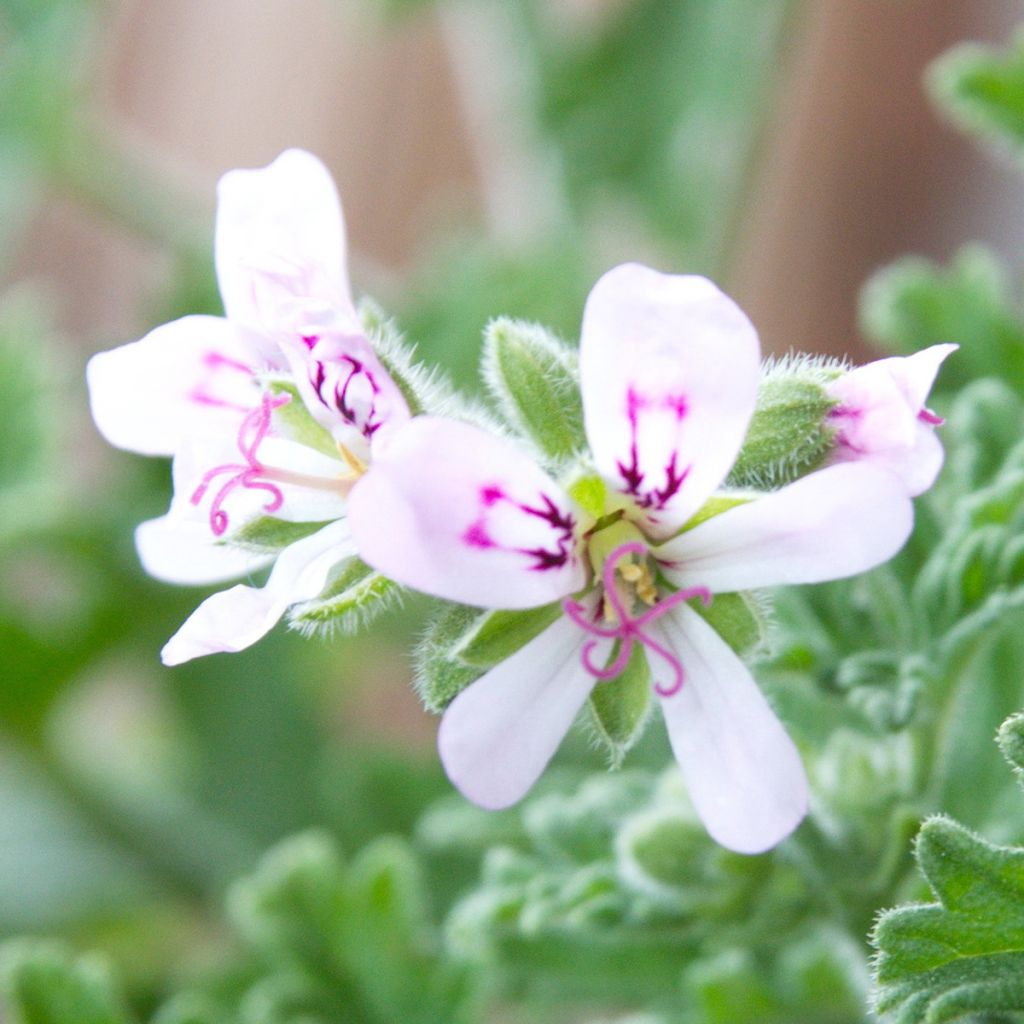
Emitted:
<point x="628" y="582"/>
<point x="253" y="474"/>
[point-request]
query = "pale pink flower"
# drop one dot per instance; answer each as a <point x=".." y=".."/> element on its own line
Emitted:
<point x="882" y="417"/>
<point x="212" y="391"/>
<point x="669" y="371"/>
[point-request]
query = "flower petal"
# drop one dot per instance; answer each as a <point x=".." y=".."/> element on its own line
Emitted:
<point x="669" y="368"/>
<point x="193" y="373"/>
<point x="742" y="770"/>
<point x="915" y="374"/>
<point x="836" y="522"/>
<point x="179" y="550"/>
<point x="280" y="237"/>
<point x="235" y="619"/>
<point x="346" y="388"/>
<point x="451" y="510"/>
<point x="499" y="734"/>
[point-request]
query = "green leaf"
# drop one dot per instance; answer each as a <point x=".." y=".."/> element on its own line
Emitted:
<point x="619" y="707"/>
<point x="982" y="90"/>
<point x="964" y="954"/>
<point x="789" y="434"/>
<point x="495" y="636"/>
<point x="915" y="303"/>
<point x="43" y="982"/>
<point x="355" y="594"/>
<point x="535" y="381"/>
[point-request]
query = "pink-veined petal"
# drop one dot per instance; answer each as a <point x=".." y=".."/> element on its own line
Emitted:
<point x="179" y="550"/>
<point x="280" y="238"/>
<point x="193" y="373"/>
<point x="451" y="510"/>
<point x="742" y="771"/>
<point x="836" y="522"/>
<point x="235" y="619"/>
<point x="346" y="388"/>
<point x="499" y="734"/>
<point x="669" y="367"/>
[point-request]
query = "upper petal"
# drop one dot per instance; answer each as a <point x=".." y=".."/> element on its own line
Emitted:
<point x="669" y="369"/>
<point x="451" y="510"/>
<point x="346" y="388"/>
<point x="499" y="734"/>
<point x="280" y="237"/>
<point x="836" y="522"/>
<point x="915" y="374"/>
<point x="193" y="373"/>
<point x="235" y="619"/>
<point x="742" y="770"/>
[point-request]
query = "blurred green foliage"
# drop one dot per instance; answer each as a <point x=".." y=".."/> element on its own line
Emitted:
<point x="132" y="796"/>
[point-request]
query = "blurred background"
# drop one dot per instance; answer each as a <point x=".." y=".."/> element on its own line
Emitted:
<point x="493" y="156"/>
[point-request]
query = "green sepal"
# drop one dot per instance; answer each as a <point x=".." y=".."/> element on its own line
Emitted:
<point x="297" y="421"/>
<point x="44" y="982"/>
<point x="590" y="493"/>
<point x="789" y="434"/>
<point x="495" y="636"/>
<point x="354" y="595"/>
<point x="438" y="677"/>
<point x="619" y="707"/>
<point x="1011" y="742"/>
<point x="714" y="506"/>
<point x="534" y="379"/>
<point x="739" y="619"/>
<point x="265" y="533"/>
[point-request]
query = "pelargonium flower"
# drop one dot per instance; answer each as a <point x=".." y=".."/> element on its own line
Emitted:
<point x="269" y="411"/>
<point x="668" y="371"/>
<point x="881" y="416"/>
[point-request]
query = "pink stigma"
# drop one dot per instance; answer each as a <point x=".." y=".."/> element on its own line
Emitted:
<point x="253" y="430"/>
<point x="927" y="416"/>
<point x="630" y="630"/>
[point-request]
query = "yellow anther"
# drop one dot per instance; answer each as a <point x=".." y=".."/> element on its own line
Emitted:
<point x="630" y="572"/>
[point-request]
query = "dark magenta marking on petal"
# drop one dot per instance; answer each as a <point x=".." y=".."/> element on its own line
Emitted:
<point x="927" y="416"/>
<point x="476" y="536"/>
<point x="543" y="558"/>
<point x="491" y="495"/>
<point x="215" y="363"/>
<point x="343" y="373"/>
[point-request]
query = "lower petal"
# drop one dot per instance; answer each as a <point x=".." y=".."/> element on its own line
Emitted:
<point x="742" y="770"/>
<point x="235" y="619"/>
<point x="179" y="550"/>
<point x="499" y="734"/>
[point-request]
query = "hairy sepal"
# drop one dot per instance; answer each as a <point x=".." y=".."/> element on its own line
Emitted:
<point x="355" y="595"/>
<point x="267" y="534"/>
<point x="619" y="708"/>
<point x="789" y="434"/>
<point x="534" y="379"/>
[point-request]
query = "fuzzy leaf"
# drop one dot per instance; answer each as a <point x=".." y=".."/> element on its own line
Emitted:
<point x="43" y="982"/>
<point x="982" y="90"/>
<point x="495" y="636"/>
<point x="355" y="595"/>
<point x="944" y="961"/>
<point x="619" y="706"/>
<point x="534" y="379"/>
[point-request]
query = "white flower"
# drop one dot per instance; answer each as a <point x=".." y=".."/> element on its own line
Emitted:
<point x="669" y="370"/>
<point x="216" y="394"/>
<point x="882" y="417"/>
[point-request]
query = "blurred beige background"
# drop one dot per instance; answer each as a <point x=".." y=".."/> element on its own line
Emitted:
<point x="411" y="117"/>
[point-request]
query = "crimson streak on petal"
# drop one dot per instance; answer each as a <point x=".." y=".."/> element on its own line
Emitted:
<point x="631" y="473"/>
<point x="491" y="496"/>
